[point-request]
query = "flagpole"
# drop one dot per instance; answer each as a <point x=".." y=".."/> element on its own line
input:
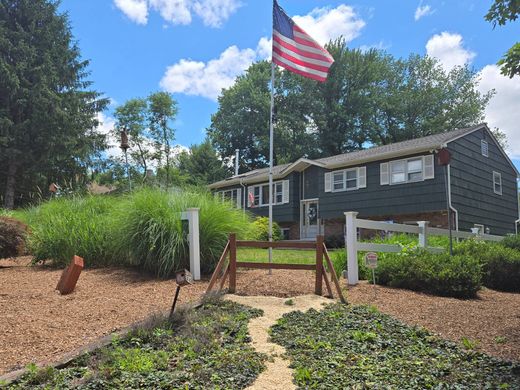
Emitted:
<point x="271" y="135"/>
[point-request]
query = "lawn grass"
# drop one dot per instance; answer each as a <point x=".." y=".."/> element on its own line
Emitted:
<point x="204" y="348"/>
<point x="356" y="347"/>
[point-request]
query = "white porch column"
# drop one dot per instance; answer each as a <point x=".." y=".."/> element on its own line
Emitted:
<point x="351" y="243"/>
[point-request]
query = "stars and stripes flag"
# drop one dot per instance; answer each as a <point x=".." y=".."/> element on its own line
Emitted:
<point x="295" y="50"/>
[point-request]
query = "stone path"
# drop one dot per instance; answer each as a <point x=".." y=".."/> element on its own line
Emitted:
<point x="277" y="375"/>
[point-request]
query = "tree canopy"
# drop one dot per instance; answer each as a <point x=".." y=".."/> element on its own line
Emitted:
<point x="47" y="109"/>
<point x="369" y="98"/>
<point x="502" y="12"/>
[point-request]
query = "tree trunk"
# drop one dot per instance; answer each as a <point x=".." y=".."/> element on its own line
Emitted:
<point x="10" y="185"/>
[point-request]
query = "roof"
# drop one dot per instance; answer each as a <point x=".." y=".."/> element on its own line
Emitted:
<point x="398" y="149"/>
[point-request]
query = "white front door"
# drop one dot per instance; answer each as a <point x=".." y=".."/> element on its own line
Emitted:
<point x="310" y="225"/>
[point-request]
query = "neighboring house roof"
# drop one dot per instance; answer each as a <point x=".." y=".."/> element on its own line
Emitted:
<point x="398" y="149"/>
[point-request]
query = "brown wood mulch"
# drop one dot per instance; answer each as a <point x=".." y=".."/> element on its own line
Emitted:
<point x="39" y="325"/>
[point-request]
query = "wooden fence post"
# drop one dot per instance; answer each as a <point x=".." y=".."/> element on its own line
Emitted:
<point x="351" y="243"/>
<point x="232" y="263"/>
<point x="318" y="287"/>
<point x="423" y="234"/>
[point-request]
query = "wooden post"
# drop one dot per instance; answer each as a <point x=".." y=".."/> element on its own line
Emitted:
<point x="318" y="289"/>
<point x="232" y="263"/>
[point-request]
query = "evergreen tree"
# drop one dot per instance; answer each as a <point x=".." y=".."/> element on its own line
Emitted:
<point x="201" y="165"/>
<point x="47" y="111"/>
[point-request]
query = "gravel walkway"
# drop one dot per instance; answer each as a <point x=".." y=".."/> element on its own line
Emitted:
<point x="39" y="325"/>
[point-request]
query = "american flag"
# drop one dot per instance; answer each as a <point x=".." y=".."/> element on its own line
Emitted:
<point x="295" y="50"/>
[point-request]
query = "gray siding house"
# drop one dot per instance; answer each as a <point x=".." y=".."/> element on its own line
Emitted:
<point x="401" y="182"/>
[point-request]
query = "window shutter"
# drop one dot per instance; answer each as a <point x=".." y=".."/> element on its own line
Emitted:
<point x="250" y="196"/>
<point x="362" y="177"/>
<point x="429" y="170"/>
<point x="285" y="186"/>
<point x="328" y="182"/>
<point x="239" y="198"/>
<point x="384" y="174"/>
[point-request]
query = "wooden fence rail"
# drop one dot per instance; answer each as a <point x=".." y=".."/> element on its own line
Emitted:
<point x="227" y="268"/>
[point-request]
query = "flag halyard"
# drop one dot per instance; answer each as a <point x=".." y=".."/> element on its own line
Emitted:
<point x="297" y="51"/>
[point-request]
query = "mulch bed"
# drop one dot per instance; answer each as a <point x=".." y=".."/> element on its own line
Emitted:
<point x="39" y="325"/>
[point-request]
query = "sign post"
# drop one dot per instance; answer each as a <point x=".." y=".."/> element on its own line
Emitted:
<point x="371" y="262"/>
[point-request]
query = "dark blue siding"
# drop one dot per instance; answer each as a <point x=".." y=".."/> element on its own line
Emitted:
<point x="472" y="185"/>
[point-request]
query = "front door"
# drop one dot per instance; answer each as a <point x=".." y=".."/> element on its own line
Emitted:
<point x="309" y="219"/>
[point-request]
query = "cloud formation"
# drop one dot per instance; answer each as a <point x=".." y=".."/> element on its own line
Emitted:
<point x="423" y="10"/>
<point x="212" y="12"/>
<point x="449" y="50"/>
<point x="502" y="111"/>
<point x="207" y="79"/>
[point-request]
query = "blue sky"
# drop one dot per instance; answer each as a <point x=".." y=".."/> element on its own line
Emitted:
<point x="193" y="48"/>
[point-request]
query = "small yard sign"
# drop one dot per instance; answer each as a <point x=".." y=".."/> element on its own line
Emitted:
<point x="371" y="260"/>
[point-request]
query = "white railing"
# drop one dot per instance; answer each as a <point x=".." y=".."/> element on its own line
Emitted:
<point x="422" y="230"/>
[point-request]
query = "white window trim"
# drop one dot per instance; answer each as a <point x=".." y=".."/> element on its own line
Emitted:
<point x="486" y="148"/>
<point x="344" y="172"/>
<point x="405" y="161"/>
<point x="260" y="200"/>
<point x="221" y="195"/>
<point x="499" y="176"/>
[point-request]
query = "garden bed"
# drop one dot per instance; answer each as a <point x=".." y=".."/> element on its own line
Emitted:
<point x="39" y="325"/>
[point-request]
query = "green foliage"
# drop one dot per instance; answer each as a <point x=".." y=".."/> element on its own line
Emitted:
<point x="458" y="276"/>
<point x="289" y="302"/>
<point x="369" y="97"/>
<point x="510" y="62"/>
<point x="210" y="349"/>
<point x="260" y="230"/>
<point x="469" y="344"/>
<point x="360" y="348"/>
<point x="47" y="109"/>
<point x="512" y="241"/>
<point x="501" y="269"/>
<point x="64" y="227"/>
<point x="201" y="165"/>
<point x="12" y="237"/>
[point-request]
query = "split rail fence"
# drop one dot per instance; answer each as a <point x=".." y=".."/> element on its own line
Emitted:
<point x="228" y="264"/>
<point x="353" y="246"/>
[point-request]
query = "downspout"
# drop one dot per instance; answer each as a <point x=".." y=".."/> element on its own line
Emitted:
<point x="518" y="208"/>
<point x="244" y="194"/>
<point x="449" y="200"/>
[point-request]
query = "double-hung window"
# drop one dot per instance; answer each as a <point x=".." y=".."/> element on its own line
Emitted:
<point x="338" y="179"/>
<point x="345" y="180"/>
<point x="234" y="196"/>
<point x="497" y="183"/>
<point x="407" y="170"/>
<point x="258" y="195"/>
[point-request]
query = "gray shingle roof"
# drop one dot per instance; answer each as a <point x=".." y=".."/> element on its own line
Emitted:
<point x="431" y="142"/>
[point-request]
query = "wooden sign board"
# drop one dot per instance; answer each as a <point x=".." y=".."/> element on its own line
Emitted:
<point x="371" y="260"/>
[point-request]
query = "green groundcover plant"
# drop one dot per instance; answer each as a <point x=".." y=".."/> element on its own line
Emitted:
<point x="205" y="348"/>
<point x="355" y="347"/>
<point x="142" y="229"/>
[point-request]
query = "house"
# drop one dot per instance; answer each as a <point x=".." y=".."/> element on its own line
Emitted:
<point x="401" y="182"/>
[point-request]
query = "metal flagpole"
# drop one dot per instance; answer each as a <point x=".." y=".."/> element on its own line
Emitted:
<point x="271" y="169"/>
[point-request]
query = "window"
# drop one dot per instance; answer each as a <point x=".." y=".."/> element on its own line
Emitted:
<point x="484" y="148"/>
<point x="259" y="195"/>
<point x="497" y="183"/>
<point x="234" y="195"/>
<point x="345" y="180"/>
<point x="407" y="170"/>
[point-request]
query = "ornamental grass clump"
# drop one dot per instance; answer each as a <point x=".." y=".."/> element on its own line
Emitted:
<point x="64" y="227"/>
<point x="151" y="234"/>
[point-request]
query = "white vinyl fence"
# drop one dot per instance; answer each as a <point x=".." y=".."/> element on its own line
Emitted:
<point x="422" y="230"/>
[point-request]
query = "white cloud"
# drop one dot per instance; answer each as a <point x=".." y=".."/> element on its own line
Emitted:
<point x="324" y="24"/>
<point x="136" y="10"/>
<point x="208" y="79"/>
<point x="212" y="12"/>
<point x="448" y="49"/>
<point x="502" y="111"/>
<point x="105" y="127"/>
<point x="423" y="10"/>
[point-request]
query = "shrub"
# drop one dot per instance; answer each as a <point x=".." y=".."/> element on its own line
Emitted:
<point x="150" y="232"/>
<point x="260" y="230"/>
<point x="335" y="241"/>
<point x="12" y="237"/>
<point x="64" y="227"/>
<point x="501" y="269"/>
<point x="458" y="276"/>
<point x="512" y="241"/>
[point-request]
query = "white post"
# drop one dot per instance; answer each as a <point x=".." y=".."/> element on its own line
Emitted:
<point x="423" y="235"/>
<point x="351" y="243"/>
<point x="194" y="240"/>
